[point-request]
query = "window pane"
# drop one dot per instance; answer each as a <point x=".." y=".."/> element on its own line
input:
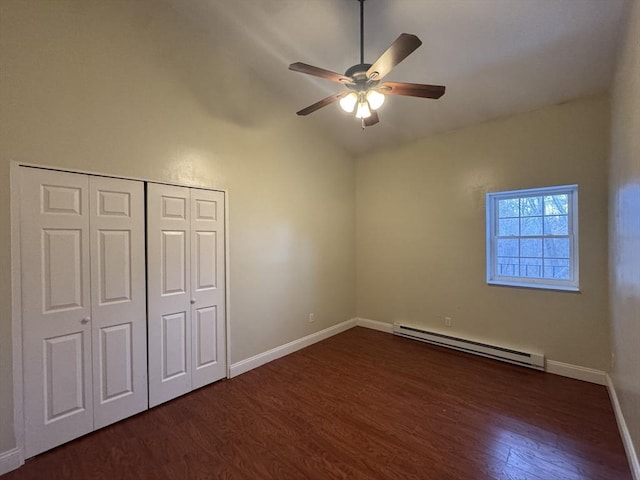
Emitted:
<point x="556" y="248"/>
<point x="507" y="227"/>
<point x="531" y="226"/>
<point x="509" y="207"/>
<point x="556" y="225"/>
<point x="531" y="267"/>
<point x="530" y="206"/>
<point x="557" y="269"/>
<point x="531" y="247"/>
<point x="509" y="266"/>
<point x="507" y="248"/>
<point x="556" y="204"/>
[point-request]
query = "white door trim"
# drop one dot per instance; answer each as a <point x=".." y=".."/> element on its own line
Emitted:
<point x="121" y="177"/>
<point x="16" y="310"/>
<point x="227" y="279"/>
<point x="16" y="283"/>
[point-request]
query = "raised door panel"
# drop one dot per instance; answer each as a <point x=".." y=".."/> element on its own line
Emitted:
<point x="64" y="391"/>
<point x="206" y="263"/>
<point x="114" y="266"/>
<point x="208" y="287"/>
<point x="62" y="259"/>
<point x="206" y="328"/>
<point x="173" y="262"/>
<point x="116" y="362"/>
<point x="56" y="330"/>
<point x="169" y="285"/>
<point x="118" y="299"/>
<point x="174" y="346"/>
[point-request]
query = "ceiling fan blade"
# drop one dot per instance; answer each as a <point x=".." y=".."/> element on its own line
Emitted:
<point x="412" y="89"/>
<point x="403" y="46"/>
<point x="372" y="120"/>
<point x="319" y="72"/>
<point x="322" y="103"/>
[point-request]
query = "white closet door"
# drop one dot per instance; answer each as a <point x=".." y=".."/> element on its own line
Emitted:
<point x="207" y="287"/>
<point x="54" y="229"/>
<point x="169" y="326"/>
<point x="118" y="299"/>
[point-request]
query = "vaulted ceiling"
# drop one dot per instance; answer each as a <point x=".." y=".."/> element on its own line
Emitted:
<point x="496" y="57"/>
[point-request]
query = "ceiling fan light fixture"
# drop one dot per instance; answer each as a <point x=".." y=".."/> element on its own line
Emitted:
<point x="375" y="99"/>
<point x="348" y="102"/>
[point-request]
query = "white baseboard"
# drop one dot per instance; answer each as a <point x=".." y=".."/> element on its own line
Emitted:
<point x="552" y="366"/>
<point x="634" y="464"/>
<point x="257" y="360"/>
<point x="557" y="368"/>
<point x="575" y="371"/>
<point x="10" y="460"/>
<point x="374" y="325"/>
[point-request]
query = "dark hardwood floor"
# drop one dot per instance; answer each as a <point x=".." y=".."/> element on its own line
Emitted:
<point x="361" y="405"/>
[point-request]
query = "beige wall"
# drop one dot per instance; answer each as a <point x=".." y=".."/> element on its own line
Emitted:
<point x="624" y="233"/>
<point x="421" y="231"/>
<point x="127" y="88"/>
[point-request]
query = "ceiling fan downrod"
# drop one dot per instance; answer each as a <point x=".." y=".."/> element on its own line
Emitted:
<point x="361" y="31"/>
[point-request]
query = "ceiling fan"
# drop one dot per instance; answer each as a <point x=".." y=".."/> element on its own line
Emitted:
<point x="365" y="94"/>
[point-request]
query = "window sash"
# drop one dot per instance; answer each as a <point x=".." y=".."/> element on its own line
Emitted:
<point x="493" y="276"/>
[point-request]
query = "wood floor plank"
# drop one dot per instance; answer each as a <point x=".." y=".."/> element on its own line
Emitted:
<point x="361" y="405"/>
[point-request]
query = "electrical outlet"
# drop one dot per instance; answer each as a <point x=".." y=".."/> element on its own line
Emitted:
<point x="447" y="321"/>
<point x="312" y="318"/>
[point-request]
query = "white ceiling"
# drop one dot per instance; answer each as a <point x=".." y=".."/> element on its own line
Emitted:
<point x="496" y="57"/>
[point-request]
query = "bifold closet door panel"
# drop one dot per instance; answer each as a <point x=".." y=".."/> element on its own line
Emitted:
<point x="168" y="291"/>
<point x="118" y="299"/>
<point x="207" y="287"/>
<point x="56" y="324"/>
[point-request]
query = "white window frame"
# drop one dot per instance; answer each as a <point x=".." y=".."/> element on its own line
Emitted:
<point x="493" y="278"/>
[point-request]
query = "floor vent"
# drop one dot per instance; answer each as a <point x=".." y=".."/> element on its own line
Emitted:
<point x="526" y="359"/>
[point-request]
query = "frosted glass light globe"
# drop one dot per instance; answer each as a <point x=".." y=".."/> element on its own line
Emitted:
<point x="348" y="102"/>
<point x="375" y="99"/>
<point x="363" y="110"/>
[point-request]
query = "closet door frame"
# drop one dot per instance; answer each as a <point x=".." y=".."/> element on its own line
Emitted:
<point x="18" y="454"/>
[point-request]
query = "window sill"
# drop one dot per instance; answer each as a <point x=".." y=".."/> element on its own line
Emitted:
<point x="538" y="286"/>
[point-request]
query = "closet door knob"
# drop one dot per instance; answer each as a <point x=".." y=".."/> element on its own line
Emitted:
<point x="85" y="320"/>
<point x="193" y="300"/>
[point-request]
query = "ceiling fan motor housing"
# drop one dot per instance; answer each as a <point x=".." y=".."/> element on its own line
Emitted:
<point x="359" y="75"/>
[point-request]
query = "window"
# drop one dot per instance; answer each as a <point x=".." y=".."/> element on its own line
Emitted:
<point x="532" y="238"/>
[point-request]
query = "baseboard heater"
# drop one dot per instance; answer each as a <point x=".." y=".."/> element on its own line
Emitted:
<point x="526" y="359"/>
